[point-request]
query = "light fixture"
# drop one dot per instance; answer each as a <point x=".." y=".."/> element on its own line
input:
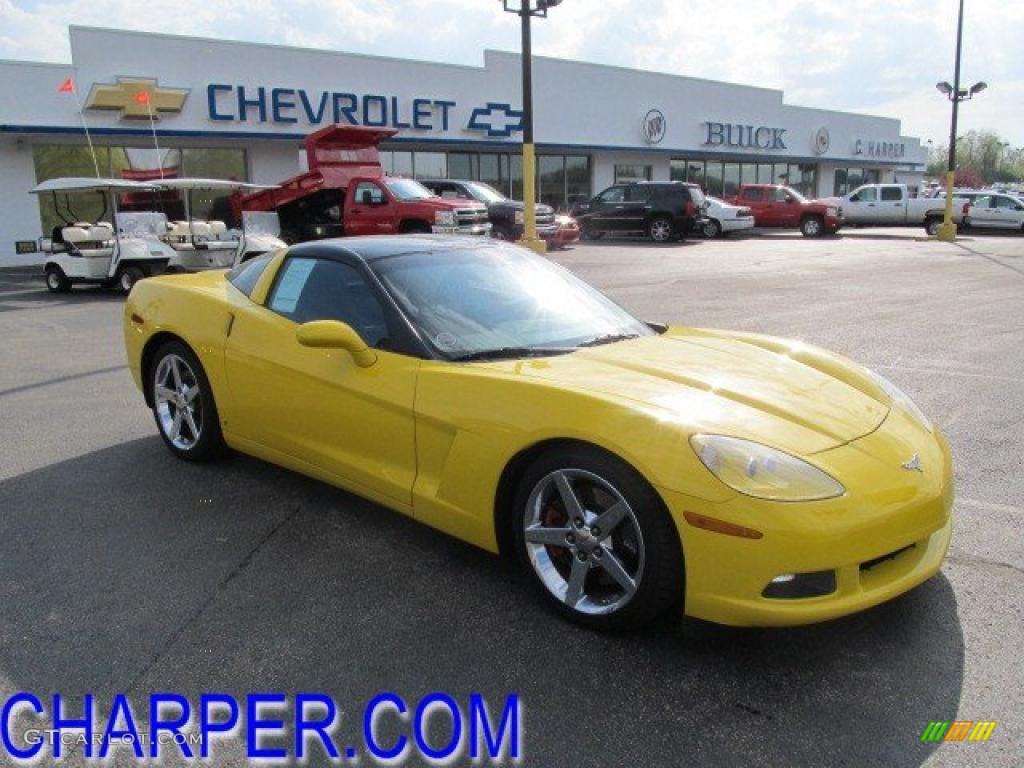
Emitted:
<point x="978" y="88"/>
<point x="944" y="88"/>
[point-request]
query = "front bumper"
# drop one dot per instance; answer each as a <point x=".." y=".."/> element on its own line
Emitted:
<point x="887" y="534"/>
<point x="472" y="229"/>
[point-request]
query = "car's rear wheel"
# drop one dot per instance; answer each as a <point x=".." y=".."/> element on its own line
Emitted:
<point x="812" y="226"/>
<point x="597" y="540"/>
<point x="660" y="229"/>
<point x="56" y="280"/>
<point x="711" y="228"/>
<point x="183" y="404"/>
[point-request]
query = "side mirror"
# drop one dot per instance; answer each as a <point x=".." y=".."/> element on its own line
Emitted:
<point x="332" y="334"/>
<point x="854" y="199"/>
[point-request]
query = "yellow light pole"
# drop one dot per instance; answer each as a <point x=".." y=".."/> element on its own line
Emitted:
<point x="955" y="94"/>
<point x="526" y="10"/>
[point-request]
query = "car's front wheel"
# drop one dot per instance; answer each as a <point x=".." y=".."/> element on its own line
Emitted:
<point x="597" y="540"/>
<point x="812" y="226"/>
<point x="183" y="404"/>
<point x="56" y="280"/>
<point x="711" y="228"/>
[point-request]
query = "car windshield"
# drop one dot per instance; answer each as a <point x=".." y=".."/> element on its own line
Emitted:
<point x="796" y="194"/>
<point x="485" y="193"/>
<point x="500" y="300"/>
<point x="407" y="189"/>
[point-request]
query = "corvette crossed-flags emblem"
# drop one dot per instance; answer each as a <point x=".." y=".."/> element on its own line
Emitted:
<point x="136" y="98"/>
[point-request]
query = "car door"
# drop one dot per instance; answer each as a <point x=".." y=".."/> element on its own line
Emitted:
<point x="1010" y="212"/>
<point x="640" y="201"/>
<point x="606" y="209"/>
<point x="891" y="207"/>
<point x="371" y="211"/>
<point x="785" y="208"/>
<point x="316" y="406"/>
<point x="861" y="205"/>
<point x="757" y="199"/>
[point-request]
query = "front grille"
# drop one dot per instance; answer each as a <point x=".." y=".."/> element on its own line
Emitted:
<point x="867" y="565"/>
<point x="468" y="217"/>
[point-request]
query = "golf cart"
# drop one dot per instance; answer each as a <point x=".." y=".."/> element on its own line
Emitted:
<point x="200" y="244"/>
<point x="97" y="252"/>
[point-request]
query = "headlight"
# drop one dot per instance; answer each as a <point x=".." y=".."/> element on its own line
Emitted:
<point x="565" y="221"/>
<point x="900" y="398"/>
<point x="445" y="218"/>
<point x="831" y="211"/>
<point x="765" y="473"/>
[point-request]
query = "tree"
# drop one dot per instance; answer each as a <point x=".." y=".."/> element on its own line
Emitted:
<point x="981" y="156"/>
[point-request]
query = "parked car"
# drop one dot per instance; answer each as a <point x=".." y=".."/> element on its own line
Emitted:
<point x="723" y="218"/>
<point x="506" y="214"/>
<point x="345" y="192"/>
<point x="995" y="211"/>
<point x="776" y="205"/>
<point x="890" y="205"/>
<point x="662" y="210"/>
<point x="491" y="394"/>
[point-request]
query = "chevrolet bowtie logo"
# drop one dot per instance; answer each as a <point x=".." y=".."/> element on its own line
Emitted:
<point x="136" y="98"/>
<point x="498" y="120"/>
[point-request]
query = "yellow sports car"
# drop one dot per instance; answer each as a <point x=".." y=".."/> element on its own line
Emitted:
<point x="634" y="468"/>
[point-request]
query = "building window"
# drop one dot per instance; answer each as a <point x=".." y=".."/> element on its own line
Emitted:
<point x="848" y="179"/>
<point x="464" y="166"/>
<point x="551" y="180"/>
<point x="628" y="173"/>
<point x="430" y="165"/>
<point x="577" y="179"/>
<point x="730" y="178"/>
<point x="713" y="178"/>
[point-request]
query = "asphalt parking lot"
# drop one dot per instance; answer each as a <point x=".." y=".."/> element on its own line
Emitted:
<point x="123" y="569"/>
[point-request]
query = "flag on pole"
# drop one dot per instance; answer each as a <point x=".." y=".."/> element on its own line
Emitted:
<point x="68" y="86"/>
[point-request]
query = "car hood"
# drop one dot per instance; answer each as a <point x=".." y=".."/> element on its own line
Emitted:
<point x="451" y="203"/>
<point x="519" y="205"/>
<point x="796" y="398"/>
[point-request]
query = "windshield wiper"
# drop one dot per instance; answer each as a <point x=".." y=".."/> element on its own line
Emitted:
<point x="506" y="353"/>
<point x="609" y="338"/>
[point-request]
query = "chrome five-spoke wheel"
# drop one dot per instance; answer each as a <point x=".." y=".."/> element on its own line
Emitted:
<point x="178" y="406"/>
<point x="583" y="541"/>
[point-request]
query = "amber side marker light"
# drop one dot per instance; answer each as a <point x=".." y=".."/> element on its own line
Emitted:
<point x="137" y="319"/>
<point x="720" y="526"/>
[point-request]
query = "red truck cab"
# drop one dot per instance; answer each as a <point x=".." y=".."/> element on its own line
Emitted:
<point x="776" y="205"/>
<point x="345" y="192"/>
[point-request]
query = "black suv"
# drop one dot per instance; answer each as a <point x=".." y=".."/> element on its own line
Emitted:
<point x="506" y="215"/>
<point x="662" y="210"/>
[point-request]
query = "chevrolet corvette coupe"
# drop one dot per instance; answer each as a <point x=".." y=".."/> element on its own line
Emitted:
<point x="636" y="469"/>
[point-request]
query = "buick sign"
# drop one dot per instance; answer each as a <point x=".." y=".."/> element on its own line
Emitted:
<point x="654" y="126"/>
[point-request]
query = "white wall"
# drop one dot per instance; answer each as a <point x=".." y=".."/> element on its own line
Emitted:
<point x="19" y="214"/>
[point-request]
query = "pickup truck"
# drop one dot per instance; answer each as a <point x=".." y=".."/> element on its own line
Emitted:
<point x="776" y="205"/>
<point x="506" y="215"/>
<point x="890" y="205"/>
<point x="345" y="192"/>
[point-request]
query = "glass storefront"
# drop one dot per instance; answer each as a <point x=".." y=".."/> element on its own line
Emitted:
<point x="138" y="164"/>
<point x="722" y="179"/>
<point x="627" y="173"/>
<point x="848" y="179"/>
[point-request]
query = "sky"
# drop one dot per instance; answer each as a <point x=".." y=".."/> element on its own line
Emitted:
<point x="874" y="56"/>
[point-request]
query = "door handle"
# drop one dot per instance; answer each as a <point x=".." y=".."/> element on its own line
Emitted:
<point x="619" y="207"/>
<point x="899" y="205"/>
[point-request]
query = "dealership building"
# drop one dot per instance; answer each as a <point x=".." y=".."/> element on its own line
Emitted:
<point x="163" y="104"/>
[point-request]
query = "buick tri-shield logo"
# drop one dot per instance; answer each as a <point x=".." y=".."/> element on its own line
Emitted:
<point x="654" y="126"/>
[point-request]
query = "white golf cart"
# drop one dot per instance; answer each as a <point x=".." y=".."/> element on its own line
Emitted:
<point x="97" y="252"/>
<point x="200" y="244"/>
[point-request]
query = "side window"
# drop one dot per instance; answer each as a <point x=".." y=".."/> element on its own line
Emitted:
<point x="641" y="194"/>
<point x="245" y="276"/>
<point x="866" y="195"/>
<point x="983" y="201"/>
<point x="756" y="194"/>
<point x="1005" y="202"/>
<point x="321" y="289"/>
<point x="780" y="194"/>
<point x="891" y="194"/>
<point x="368" y="193"/>
<point x="613" y="195"/>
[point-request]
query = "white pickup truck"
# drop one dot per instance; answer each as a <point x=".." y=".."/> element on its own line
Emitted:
<point x="890" y="205"/>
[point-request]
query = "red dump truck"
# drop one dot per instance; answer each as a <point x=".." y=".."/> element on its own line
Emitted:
<point x="345" y="192"/>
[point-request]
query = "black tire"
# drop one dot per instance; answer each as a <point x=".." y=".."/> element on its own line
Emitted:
<point x="931" y="226"/>
<point x="659" y="592"/>
<point x="128" y="277"/>
<point x="812" y="226"/>
<point x="588" y="232"/>
<point x="56" y="280"/>
<point x="660" y="230"/>
<point x="501" y="233"/>
<point x="210" y="441"/>
<point x="711" y="229"/>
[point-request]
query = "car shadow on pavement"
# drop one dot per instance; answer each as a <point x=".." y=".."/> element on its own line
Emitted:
<point x="128" y="570"/>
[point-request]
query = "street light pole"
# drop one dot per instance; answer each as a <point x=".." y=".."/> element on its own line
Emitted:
<point x="947" y="231"/>
<point x="530" y="238"/>
<point x="526" y="10"/>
